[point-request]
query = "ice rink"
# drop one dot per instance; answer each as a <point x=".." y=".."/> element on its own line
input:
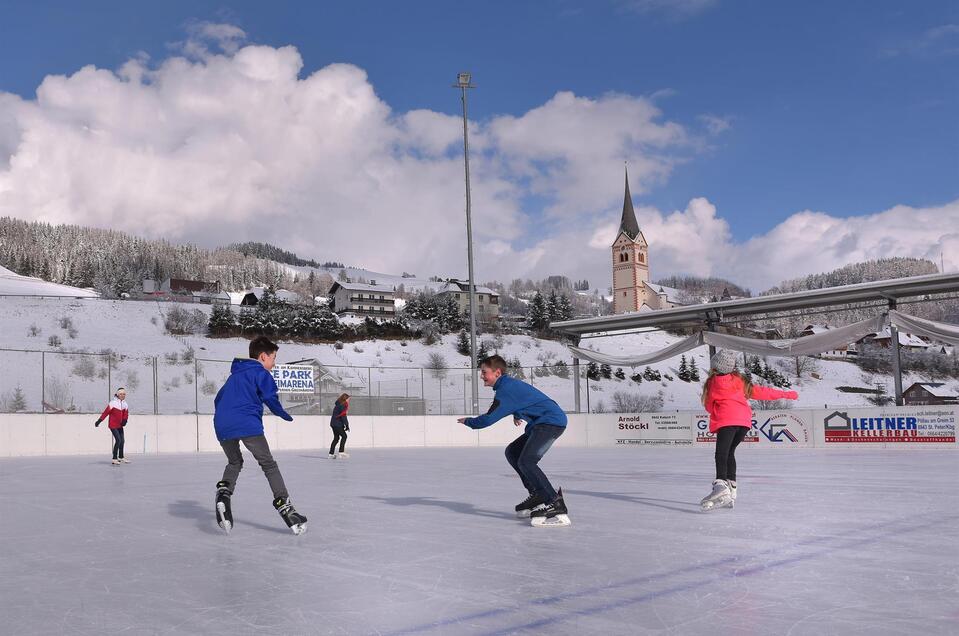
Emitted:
<point x="424" y="541"/>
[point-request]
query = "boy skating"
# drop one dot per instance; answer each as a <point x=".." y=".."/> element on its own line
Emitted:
<point x="238" y="417"/>
<point x="545" y="422"/>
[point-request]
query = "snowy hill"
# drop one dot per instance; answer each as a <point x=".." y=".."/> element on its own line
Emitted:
<point x="189" y="369"/>
<point x="13" y="284"/>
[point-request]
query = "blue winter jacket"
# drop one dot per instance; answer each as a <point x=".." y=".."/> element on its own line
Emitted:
<point x="521" y="400"/>
<point x="238" y="407"/>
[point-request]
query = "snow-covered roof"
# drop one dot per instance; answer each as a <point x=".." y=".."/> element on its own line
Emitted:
<point x="905" y="339"/>
<point x="672" y="294"/>
<point x="463" y="286"/>
<point x="211" y="294"/>
<point x="13" y="284"/>
<point x="385" y="289"/>
<point x="937" y="389"/>
<point x="287" y="295"/>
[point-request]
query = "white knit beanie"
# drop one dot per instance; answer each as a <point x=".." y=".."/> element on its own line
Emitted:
<point x="723" y="361"/>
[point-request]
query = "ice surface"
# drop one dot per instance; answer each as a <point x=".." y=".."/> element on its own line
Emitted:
<point x="424" y="541"/>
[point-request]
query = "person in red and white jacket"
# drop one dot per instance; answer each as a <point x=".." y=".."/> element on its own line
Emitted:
<point x="726" y="396"/>
<point x="118" y="412"/>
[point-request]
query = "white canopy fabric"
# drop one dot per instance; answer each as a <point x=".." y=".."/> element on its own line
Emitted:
<point x="681" y="346"/>
<point x="829" y="340"/>
<point x="941" y="331"/>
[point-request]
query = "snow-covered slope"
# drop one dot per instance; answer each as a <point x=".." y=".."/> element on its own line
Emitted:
<point x="135" y="329"/>
<point x="12" y="284"/>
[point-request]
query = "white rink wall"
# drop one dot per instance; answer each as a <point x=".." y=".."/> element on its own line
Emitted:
<point x="889" y="427"/>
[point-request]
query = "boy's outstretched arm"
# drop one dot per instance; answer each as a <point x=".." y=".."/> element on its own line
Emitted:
<point x="270" y="395"/>
<point x="501" y="407"/>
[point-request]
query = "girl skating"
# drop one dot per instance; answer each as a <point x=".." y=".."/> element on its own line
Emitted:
<point x="725" y="396"/>
<point x="118" y="412"/>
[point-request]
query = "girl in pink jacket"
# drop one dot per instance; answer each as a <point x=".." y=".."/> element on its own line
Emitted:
<point x="118" y="413"/>
<point x="725" y="396"/>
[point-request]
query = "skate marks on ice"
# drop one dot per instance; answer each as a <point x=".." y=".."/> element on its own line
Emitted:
<point x="454" y="506"/>
<point x="691" y="508"/>
<point x="711" y="573"/>
<point x="205" y="518"/>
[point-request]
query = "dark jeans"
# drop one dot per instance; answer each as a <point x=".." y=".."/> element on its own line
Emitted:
<point x="339" y="435"/>
<point x="524" y="453"/>
<point x="260" y="449"/>
<point x="117" y="442"/>
<point x="727" y="439"/>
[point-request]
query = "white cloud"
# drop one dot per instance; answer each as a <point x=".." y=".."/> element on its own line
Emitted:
<point x="233" y="145"/>
<point x="236" y="146"/>
<point x="715" y="124"/>
<point x="698" y="241"/>
<point x="677" y="9"/>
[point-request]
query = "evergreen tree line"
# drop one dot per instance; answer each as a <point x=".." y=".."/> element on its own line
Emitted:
<point x="272" y="253"/>
<point x="114" y="263"/>
<point x="544" y="310"/>
<point x="941" y="309"/>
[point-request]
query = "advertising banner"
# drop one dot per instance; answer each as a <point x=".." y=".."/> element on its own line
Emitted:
<point x="294" y="378"/>
<point x="768" y="428"/>
<point x="889" y="425"/>
<point x="626" y="429"/>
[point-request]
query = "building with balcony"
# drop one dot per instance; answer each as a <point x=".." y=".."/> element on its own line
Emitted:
<point x="363" y="299"/>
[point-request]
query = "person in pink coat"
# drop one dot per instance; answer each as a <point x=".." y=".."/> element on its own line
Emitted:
<point x="726" y="395"/>
<point x="118" y="413"/>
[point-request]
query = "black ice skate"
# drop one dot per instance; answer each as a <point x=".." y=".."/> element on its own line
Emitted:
<point x="528" y="505"/>
<point x="224" y="515"/>
<point x="293" y="519"/>
<point x="553" y="515"/>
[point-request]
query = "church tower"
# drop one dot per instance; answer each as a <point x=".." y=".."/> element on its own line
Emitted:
<point x="630" y="261"/>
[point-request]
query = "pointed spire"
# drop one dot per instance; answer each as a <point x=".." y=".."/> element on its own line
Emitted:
<point x="628" y="223"/>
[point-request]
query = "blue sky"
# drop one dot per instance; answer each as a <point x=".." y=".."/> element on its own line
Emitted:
<point x="849" y="108"/>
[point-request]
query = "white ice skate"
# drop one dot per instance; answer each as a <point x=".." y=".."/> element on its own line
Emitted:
<point x="732" y="492"/>
<point x="332" y="455"/>
<point x="344" y="455"/>
<point x="115" y="462"/>
<point x="124" y="460"/>
<point x="718" y="498"/>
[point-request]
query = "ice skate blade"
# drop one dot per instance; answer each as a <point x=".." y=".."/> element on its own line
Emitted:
<point x="298" y="529"/>
<point x="559" y="521"/>
<point x="714" y="505"/>
<point x="221" y="521"/>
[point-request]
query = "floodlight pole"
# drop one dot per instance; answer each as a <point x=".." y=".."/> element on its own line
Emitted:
<point x="463" y="83"/>
<point x="896" y="359"/>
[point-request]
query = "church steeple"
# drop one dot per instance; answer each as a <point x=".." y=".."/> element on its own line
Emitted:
<point x="628" y="223"/>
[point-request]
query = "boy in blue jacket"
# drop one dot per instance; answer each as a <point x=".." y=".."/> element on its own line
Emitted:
<point x="238" y="417"/>
<point x="545" y="422"/>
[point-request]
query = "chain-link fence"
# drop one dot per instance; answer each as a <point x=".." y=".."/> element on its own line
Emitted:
<point x="181" y="383"/>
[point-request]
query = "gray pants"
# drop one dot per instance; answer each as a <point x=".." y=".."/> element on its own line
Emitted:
<point x="260" y="449"/>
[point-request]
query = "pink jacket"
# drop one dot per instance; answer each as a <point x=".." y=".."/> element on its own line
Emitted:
<point x="727" y="405"/>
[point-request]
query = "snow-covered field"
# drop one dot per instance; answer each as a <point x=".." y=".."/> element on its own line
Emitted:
<point x="189" y="369"/>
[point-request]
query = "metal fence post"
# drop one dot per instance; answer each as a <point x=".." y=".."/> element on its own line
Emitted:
<point x="156" y="395"/>
<point x="43" y="382"/>
<point x="196" y="386"/>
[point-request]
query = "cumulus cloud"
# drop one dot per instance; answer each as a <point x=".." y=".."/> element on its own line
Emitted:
<point x="232" y="143"/>
<point x="229" y="143"/>
<point x="696" y="240"/>
<point x="675" y="9"/>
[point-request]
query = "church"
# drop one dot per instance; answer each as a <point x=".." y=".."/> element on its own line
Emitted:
<point x="632" y="290"/>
